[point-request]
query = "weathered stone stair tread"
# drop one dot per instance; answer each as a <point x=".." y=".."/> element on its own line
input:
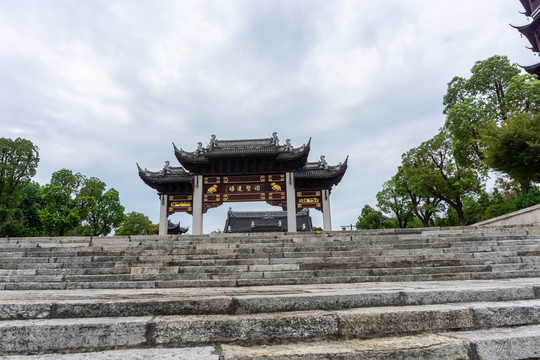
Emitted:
<point x="262" y="275"/>
<point x="505" y="344"/>
<point x="107" y="303"/>
<point x="494" y="344"/>
<point x="76" y="334"/>
<point x="191" y="353"/>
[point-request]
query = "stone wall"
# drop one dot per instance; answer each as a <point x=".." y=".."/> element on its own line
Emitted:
<point x="528" y="215"/>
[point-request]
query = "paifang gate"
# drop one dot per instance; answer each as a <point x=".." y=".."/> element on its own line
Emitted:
<point x="240" y="171"/>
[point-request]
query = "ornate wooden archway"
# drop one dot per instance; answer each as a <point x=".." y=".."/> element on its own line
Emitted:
<point x="244" y="170"/>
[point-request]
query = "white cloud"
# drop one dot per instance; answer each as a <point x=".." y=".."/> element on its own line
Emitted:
<point x="101" y="85"/>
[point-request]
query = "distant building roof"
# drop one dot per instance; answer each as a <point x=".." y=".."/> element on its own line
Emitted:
<point x="264" y="221"/>
<point x="176" y="229"/>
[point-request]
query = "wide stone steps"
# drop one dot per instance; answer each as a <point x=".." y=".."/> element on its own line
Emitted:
<point x="453" y="293"/>
<point x="520" y="342"/>
<point x="458" y="320"/>
<point x="194" y="261"/>
<point x="314" y="272"/>
<point x="255" y="271"/>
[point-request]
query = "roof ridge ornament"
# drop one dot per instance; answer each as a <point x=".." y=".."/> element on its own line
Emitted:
<point x="213" y="142"/>
<point x="323" y="163"/>
<point x="287" y="147"/>
<point x="166" y="169"/>
<point x="275" y="140"/>
<point x="200" y="150"/>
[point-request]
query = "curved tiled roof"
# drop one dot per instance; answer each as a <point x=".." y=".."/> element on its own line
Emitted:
<point x="532" y="69"/>
<point x="527" y="6"/>
<point x="243" y="157"/>
<point x="169" y="178"/>
<point x="532" y="8"/>
<point x="224" y="156"/>
<point x="529" y="32"/>
<point x="314" y="174"/>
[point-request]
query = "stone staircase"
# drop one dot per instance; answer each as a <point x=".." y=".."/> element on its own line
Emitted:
<point x="341" y="295"/>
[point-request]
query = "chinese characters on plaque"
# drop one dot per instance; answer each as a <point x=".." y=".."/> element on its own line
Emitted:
<point x="220" y="189"/>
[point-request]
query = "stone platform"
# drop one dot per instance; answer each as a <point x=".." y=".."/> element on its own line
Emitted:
<point x="455" y="293"/>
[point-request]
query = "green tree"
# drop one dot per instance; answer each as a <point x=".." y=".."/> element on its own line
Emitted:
<point x="19" y="159"/>
<point x="514" y="148"/>
<point x="100" y="210"/>
<point x="472" y="103"/>
<point x="369" y="219"/>
<point x="25" y="221"/>
<point x="61" y="213"/>
<point x="480" y="111"/>
<point x="392" y="199"/>
<point x="523" y="94"/>
<point x="424" y="206"/>
<point x="431" y="170"/>
<point x="135" y="223"/>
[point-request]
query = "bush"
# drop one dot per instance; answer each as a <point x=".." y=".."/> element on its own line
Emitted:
<point x="499" y="209"/>
<point x="530" y="199"/>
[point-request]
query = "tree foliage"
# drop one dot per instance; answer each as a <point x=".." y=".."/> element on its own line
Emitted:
<point x="25" y="221"/>
<point x="135" y="223"/>
<point x="393" y="199"/>
<point x="100" y="209"/>
<point x="485" y="116"/>
<point x="19" y="159"/>
<point x="369" y="218"/>
<point x="61" y="212"/>
<point x="514" y="148"/>
<point x="472" y="103"/>
<point x="74" y="203"/>
<point x="431" y="171"/>
<point x="424" y="206"/>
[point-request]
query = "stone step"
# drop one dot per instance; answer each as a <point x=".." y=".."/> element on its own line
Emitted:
<point x="76" y="334"/>
<point x="193" y="280"/>
<point x="273" y="271"/>
<point x="190" y="353"/>
<point x="333" y="257"/>
<point x="254" y="243"/>
<point x="520" y="342"/>
<point x="494" y="344"/>
<point x="117" y="303"/>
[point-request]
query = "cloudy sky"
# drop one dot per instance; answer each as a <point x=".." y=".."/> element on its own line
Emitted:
<point x="102" y="85"/>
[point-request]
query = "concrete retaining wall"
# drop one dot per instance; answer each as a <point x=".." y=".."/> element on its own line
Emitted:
<point x="528" y="215"/>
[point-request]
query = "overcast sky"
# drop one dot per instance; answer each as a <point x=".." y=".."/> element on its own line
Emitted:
<point x="102" y="85"/>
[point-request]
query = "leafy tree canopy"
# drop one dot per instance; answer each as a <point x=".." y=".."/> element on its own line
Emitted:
<point x="393" y="199"/>
<point x="100" y="209"/>
<point x="61" y="213"/>
<point x="73" y="202"/>
<point x="514" y="148"/>
<point x="135" y="223"/>
<point x="424" y="206"/>
<point x="19" y="159"/>
<point x="472" y="103"/>
<point x="431" y="170"/>
<point x="369" y="218"/>
<point x="25" y="221"/>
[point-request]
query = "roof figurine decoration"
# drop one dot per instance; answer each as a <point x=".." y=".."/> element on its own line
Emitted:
<point x="244" y="170"/>
<point x="531" y="31"/>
